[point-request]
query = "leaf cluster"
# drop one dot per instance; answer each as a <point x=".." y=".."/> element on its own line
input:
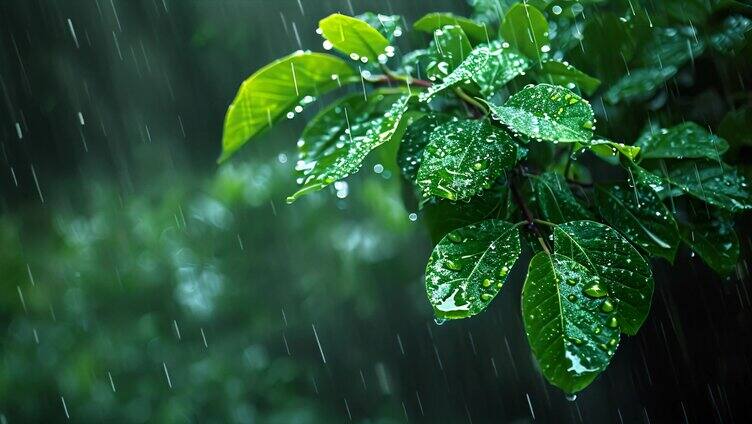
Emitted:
<point x="493" y="133"/>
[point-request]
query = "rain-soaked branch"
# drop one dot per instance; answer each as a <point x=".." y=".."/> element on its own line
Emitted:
<point x="531" y="220"/>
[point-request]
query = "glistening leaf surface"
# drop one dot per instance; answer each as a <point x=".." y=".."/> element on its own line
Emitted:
<point x="275" y="90"/>
<point x="448" y="49"/>
<point x="433" y="21"/>
<point x="556" y="201"/>
<point x="463" y="158"/>
<point x="687" y="140"/>
<point x="352" y="146"/>
<point x="415" y="140"/>
<point x="526" y="29"/>
<point x="469" y="266"/>
<point x="609" y="150"/>
<point x="625" y="275"/>
<point x="568" y="320"/>
<point x="718" y="184"/>
<point x="352" y="36"/>
<point x="639" y="214"/>
<point x="639" y="84"/>
<point x="547" y="112"/>
<point x="489" y="66"/>
<point x="442" y="216"/>
<point x="563" y="74"/>
<point x="715" y="241"/>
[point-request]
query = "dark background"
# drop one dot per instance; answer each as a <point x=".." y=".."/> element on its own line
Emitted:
<point x="112" y="231"/>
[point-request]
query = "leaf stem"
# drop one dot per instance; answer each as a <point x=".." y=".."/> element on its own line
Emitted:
<point x="530" y="219"/>
<point x="547" y="223"/>
<point x="478" y="107"/>
<point x="391" y="76"/>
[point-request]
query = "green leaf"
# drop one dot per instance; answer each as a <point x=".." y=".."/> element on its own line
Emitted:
<point x="448" y="49"/>
<point x="275" y="90"/>
<point x="415" y="140"/>
<point x="624" y="273"/>
<point x="354" y="37"/>
<point x="717" y="184"/>
<point x="566" y="75"/>
<point x="639" y="84"/>
<point x="687" y="140"/>
<point x="732" y="37"/>
<point x="607" y="149"/>
<point x="390" y="26"/>
<point x="659" y="184"/>
<point x="433" y="21"/>
<point x="443" y="216"/>
<point x="326" y="163"/>
<point x="469" y="266"/>
<point x="556" y="201"/>
<point x="490" y="11"/>
<point x="736" y="127"/>
<point x="638" y="213"/>
<point x="671" y="47"/>
<point x="526" y="29"/>
<point x="547" y="112"/>
<point x="489" y="66"/>
<point x="715" y="241"/>
<point x="604" y="46"/>
<point x="463" y="158"/>
<point x="563" y="309"/>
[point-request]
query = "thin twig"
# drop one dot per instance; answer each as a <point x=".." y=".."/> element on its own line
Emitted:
<point x="528" y="216"/>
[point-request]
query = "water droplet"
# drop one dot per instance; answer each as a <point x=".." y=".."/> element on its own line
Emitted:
<point x="595" y="291"/>
<point x="571" y="397"/>
<point x="454" y="237"/>
<point x="486" y="297"/>
<point x="607" y="306"/>
<point x="454" y="266"/>
<point x="613" y="322"/>
<point x="439" y="321"/>
<point x="487" y="282"/>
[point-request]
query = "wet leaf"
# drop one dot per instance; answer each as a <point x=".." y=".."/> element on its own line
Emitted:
<point x="490" y="11"/>
<point x="415" y="140"/>
<point x="717" y="184"/>
<point x="609" y="150"/>
<point x="275" y="90"/>
<point x="687" y="140"/>
<point x="563" y="310"/>
<point x="448" y="49"/>
<point x="736" y="30"/>
<point x="623" y="272"/>
<point x="463" y="158"/>
<point x="478" y="33"/>
<point x="561" y="73"/>
<point x="469" y="266"/>
<point x="390" y="26"/>
<point x="353" y="144"/>
<point x="604" y="46"/>
<point x="639" y="84"/>
<point x="736" y="127"/>
<point x="556" y="201"/>
<point x="353" y="37"/>
<point x="489" y="66"/>
<point x="547" y="112"/>
<point x="443" y="216"/>
<point x="715" y="241"/>
<point x="639" y="214"/>
<point x="671" y="47"/>
<point x="526" y="29"/>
